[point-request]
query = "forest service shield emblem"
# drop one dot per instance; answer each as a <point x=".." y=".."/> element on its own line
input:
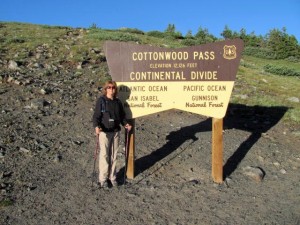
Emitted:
<point x="229" y="52"/>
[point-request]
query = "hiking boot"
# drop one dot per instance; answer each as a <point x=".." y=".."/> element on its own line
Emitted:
<point x="103" y="184"/>
<point x="114" y="183"/>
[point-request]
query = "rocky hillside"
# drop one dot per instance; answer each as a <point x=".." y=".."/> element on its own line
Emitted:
<point x="48" y="86"/>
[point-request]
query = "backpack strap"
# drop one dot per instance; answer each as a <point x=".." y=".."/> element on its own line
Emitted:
<point x="103" y="104"/>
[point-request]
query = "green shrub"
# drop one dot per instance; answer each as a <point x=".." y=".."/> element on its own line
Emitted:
<point x="113" y="36"/>
<point x="293" y="59"/>
<point x="284" y="71"/>
<point x="189" y="42"/>
<point x="156" y="34"/>
<point x="173" y="36"/>
<point x="259" y="52"/>
<point x="132" y="30"/>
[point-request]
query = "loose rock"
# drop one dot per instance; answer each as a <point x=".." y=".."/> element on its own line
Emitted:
<point x="255" y="173"/>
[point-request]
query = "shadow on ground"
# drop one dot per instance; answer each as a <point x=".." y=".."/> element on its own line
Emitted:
<point x="253" y="119"/>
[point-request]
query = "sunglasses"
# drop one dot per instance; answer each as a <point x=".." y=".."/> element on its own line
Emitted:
<point x="111" y="87"/>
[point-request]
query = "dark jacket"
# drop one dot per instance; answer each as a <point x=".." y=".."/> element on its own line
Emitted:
<point x="109" y="114"/>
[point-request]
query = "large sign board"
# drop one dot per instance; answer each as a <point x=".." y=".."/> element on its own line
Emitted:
<point x="196" y="79"/>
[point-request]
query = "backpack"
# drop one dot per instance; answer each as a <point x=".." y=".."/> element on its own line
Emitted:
<point x="107" y="121"/>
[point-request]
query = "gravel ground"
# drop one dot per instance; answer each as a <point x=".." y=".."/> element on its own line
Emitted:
<point x="46" y="161"/>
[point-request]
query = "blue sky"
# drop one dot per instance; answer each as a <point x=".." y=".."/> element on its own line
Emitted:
<point x="189" y="15"/>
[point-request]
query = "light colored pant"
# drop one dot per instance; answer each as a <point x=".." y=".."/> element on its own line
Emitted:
<point x="109" y="144"/>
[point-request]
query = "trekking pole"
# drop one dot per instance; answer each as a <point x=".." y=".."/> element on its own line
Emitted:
<point x="126" y="154"/>
<point x="95" y="159"/>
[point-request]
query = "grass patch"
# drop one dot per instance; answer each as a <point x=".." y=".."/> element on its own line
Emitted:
<point x="99" y="34"/>
<point x="6" y="203"/>
<point x="253" y="86"/>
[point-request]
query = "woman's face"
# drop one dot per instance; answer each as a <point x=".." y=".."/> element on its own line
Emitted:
<point x="111" y="89"/>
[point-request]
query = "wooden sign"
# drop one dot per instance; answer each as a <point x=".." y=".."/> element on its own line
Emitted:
<point x="196" y="79"/>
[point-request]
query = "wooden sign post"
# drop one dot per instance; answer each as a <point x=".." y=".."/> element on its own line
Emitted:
<point x="131" y="152"/>
<point x="217" y="150"/>
<point x="197" y="79"/>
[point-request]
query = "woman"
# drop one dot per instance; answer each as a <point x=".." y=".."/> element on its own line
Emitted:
<point x="109" y="114"/>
